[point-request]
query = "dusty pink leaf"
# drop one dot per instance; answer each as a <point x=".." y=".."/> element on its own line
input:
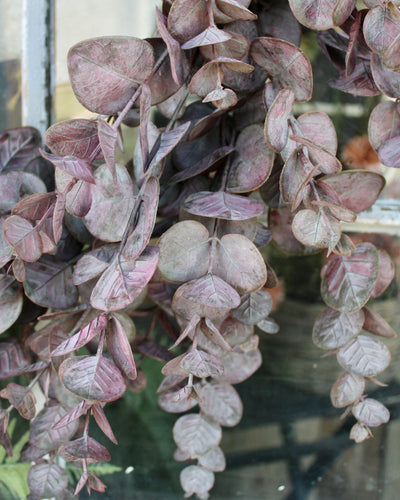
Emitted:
<point x="285" y="62"/>
<point x="225" y="101"/>
<point x="112" y="204"/>
<point x="384" y="123"/>
<point x="21" y="398"/>
<point x="152" y="349"/>
<point x="391" y="57"/>
<point x="187" y="18"/>
<point x="387" y="81"/>
<point x="108" y="137"/>
<point x="239" y="263"/>
<point x="93" y="263"/>
<point x="106" y="71"/>
<point x="84" y="448"/>
<point x="184" y="252"/>
<point x="18" y="269"/>
<point x="268" y="325"/>
<point x="145" y="108"/>
<point x="141" y="234"/>
<point x="23" y="236"/>
<point x="295" y="176"/>
<point x="389" y="152"/>
<point x="81" y="338"/>
<point x="173" y="368"/>
<point x="222" y="403"/>
<point x="364" y="355"/>
<point x="169" y="402"/>
<point x="386" y="273"/>
<point x="359" y="433"/>
<point x="123" y="281"/>
<point x="167" y="142"/>
<point x="280" y="223"/>
<point x="220" y="17"/>
<point x="359" y="83"/>
<point x="276" y="122"/>
<point x="102" y="422"/>
<point x="77" y="138"/>
<point x="18" y="147"/>
<point x="371" y="412"/>
<point x="238" y="366"/>
<point x="357" y="190"/>
<point x="211" y="35"/>
<point x="12" y="358"/>
<point x="47" y="480"/>
<point x="196" y="480"/>
<point x="119" y="348"/>
<point x="35" y="206"/>
<point x="202" y="364"/>
<point x="174" y="49"/>
<point x="318" y="155"/>
<point x="347" y="389"/>
<point x="93" y="378"/>
<point x="252" y="164"/>
<point x="214" y="460"/>
<point x="212" y="333"/>
<point x="236" y="47"/>
<point x="223" y="205"/>
<point x="206" y="79"/>
<point x="322" y="14"/>
<point x="72" y="415"/>
<point x="196" y="434"/>
<point x="332" y="328"/>
<point x="189" y="328"/>
<point x="374" y="323"/>
<point x="347" y="282"/>
<point x="49" y="283"/>
<point x="58" y="216"/>
<point x="234" y="64"/>
<point x="77" y="167"/>
<point x="254" y="307"/>
<point x="381" y="27"/>
<point x="42" y="434"/>
<point x="317" y="229"/>
<point x="78" y="195"/>
<point x="236" y="10"/>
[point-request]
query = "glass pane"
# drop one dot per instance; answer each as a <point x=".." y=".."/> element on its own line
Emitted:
<point x="10" y="63"/>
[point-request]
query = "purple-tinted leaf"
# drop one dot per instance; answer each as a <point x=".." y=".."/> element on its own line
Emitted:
<point x="375" y="324"/>
<point x="278" y="21"/>
<point x="332" y="328"/>
<point x="252" y="163"/>
<point x="187" y="18"/>
<point x="21" y="398"/>
<point x="23" y="236"/>
<point x="106" y="71"/>
<point x="359" y="433"/>
<point x="196" y="480"/>
<point x="212" y="333"/>
<point x="207" y="79"/>
<point x="384" y="123"/>
<point x="318" y="127"/>
<point x="316" y="229"/>
<point x="93" y="263"/>
<point x="189" y="328"/>
<point x="47" y="480"/>
<point x="58" y="216"/>
<point x="214" y="460"/>
<point x="173" y="368"/>
<point x="141" y="234"/>
<point x="152" y="349"/>
<point x="285" y="62"/>
<point x="268" y="325"/>
<point x="239" y="263"/>
<point x="18" y="147"/>
<point x="238" y="366"/>
<point x="84" y="448"/>
<point x="276" y="123"/>
<point x="119" y="348"/>
<point x="391" y="58"/>
<point x="371" y="412"/>
<point x="35" y="206"/>
<point x="295" y="176"/>
<point x="345" y="246"/>
<point x="386" y="80"/>
<point x="42" y="434"/>
<point x="227" y="100"/>
<point x="78" y="197"/>
<point x="174" y="49"/>
<point x="209" y="36"/>
<point x="202" y="364"/>
<point x="222" y="403"/>
<point x="49" y="283"/>
<point x="72" y="415"/>
<point x="359" y="83"/>
<point x="112" y="204"/>
<point x="254" y="307"/>
<point x="347" y="389"/>
<point x="145" y="107"/>
<point x="108" y="137"/>
<point x="223" y="205"/>
<point x="196" y="434"/>
<point x="12" y="358"/>
<point x="322" y="14"/>
<point x="357" y="190"/>
<point x="364" y="355"/>
<point x="171" y="402"/>
<point x="77" y="167"/>
<point x="347" y="282"/>
<point x="381" y="27"/>
<point x="102" y="422"/>
<point x="82" y="337"/>
<point x="327" y="162"/>
<point x="220" y="17"/>
<point x="10" y="309"/>
<point x="6" y="250"/>
<point x="168" y="140"/>
<point x="280" y="223"/>
<point x="77" y="138"/>
<point x="208" y="296"/>
<point x="389" y="152"/>
<point x="18" y="269"/>
<point x="184" y="252"/>
<point x="93" y="378"/>
<point x="123" y="281"/>
<point x="234" y="64"/>
<point x="236" y="10"/>
<point x="386" y="272"/>
<point x="236" y="47"/>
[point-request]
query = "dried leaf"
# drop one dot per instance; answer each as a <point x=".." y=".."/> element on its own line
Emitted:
<point x="364" y="356"/>
<point x="347" y="389"/>
<point x="332" y="329"/>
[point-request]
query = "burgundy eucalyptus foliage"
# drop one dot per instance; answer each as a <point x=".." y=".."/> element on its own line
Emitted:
<point x="177" y="232"/>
